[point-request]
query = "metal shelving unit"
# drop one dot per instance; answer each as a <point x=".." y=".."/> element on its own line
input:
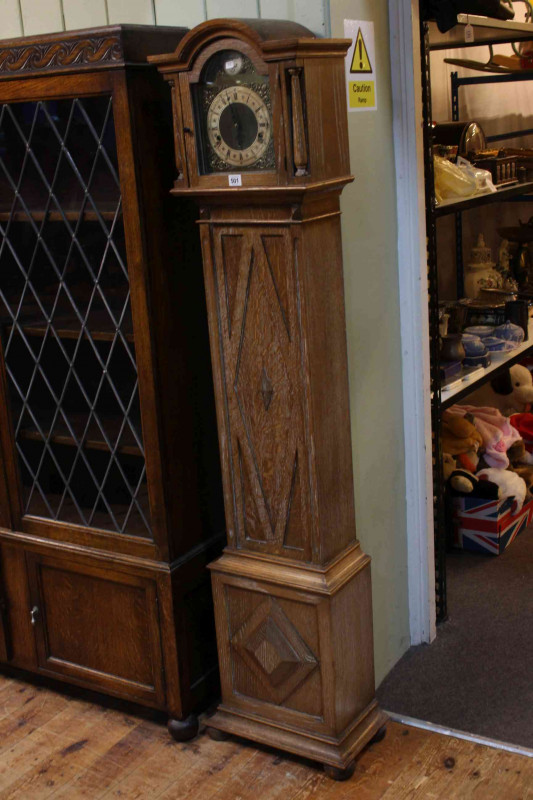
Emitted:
<point x="486" y="31"/>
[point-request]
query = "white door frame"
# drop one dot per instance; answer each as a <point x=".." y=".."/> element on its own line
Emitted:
<point x="412" y="257"/>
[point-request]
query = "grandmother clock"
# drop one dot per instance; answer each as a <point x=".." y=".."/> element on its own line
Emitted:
<point x="261" y="143"/>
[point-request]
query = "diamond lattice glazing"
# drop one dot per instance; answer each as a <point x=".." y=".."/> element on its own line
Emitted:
<point x="66" y="316"/>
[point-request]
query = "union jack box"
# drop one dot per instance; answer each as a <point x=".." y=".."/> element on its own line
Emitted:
<point x="488" y="526"/>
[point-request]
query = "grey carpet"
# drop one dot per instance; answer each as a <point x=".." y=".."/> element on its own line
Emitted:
<point x="478" y="674"/>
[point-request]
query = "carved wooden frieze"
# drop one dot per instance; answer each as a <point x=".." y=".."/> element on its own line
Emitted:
<point x="65" y="54"/>
<point x="262" y="355"/>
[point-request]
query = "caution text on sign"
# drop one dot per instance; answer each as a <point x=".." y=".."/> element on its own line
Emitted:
<point x="362" y="94"/>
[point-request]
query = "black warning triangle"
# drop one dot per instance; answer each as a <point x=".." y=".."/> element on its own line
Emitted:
<point x="360" y="60"/>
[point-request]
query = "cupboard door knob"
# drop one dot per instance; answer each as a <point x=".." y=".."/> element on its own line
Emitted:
<point x="34" y="613"/>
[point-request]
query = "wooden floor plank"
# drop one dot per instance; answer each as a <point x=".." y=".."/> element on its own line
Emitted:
<point x="38" y="709"/>
<point x="267" y="776"/>
<point x="30" y="753"/>
<point x="56" y="767"/>
<point x="114" y="765"/>
<point x="156" y="772"/>
<point x="54" y="747"/>
<point x="16" y="695"/>
<point x="445" y="767"/>
<point x="210" y="773"/>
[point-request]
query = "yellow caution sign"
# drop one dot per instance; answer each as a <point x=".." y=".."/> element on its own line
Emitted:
<point x="361" y="59"/>
<point x="360" y="66"/>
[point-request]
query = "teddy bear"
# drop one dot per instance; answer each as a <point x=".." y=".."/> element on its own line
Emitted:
<point x="460" y="442"/>
<point x="461" y="439"/>
<point x="520" y="463"/>
<point x="460" y="480"/>
<point x="465" y="469"/>
<point x="510" y="392"/>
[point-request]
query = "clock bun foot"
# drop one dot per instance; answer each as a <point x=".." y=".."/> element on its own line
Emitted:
<point x="337" y="774"/>
<point x="379" y="736"/>
<point x="217" y="735"/>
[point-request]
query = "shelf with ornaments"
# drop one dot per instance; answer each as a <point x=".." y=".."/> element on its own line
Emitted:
<point x="488" y="288"/>
<point x="472" y="30"/>
<point x="459" y="386"/>
<point x="513" y="192"/>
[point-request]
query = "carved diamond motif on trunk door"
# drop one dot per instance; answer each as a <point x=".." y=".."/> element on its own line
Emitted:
<point x="273" y="649"/>
<point x="268" y="403"/>
<point x="266" y="390"/>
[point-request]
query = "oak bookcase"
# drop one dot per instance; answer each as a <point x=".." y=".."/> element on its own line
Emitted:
<point x="110" y="494"/>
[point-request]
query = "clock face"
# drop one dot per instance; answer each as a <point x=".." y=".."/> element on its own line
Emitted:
<point x="238" y="126"/>
<point x="233" y="116"/>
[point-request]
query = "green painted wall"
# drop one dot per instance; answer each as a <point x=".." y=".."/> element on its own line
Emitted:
<point x="374" y="348"/>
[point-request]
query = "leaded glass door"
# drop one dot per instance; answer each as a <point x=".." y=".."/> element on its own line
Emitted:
<point x="65" y="317"/>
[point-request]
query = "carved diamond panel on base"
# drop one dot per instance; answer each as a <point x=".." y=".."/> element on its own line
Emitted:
<point x="273" y="645"/>
<point x="274" y="650"/>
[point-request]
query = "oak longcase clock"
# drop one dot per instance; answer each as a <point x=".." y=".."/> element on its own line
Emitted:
<point x="261" y="143"/>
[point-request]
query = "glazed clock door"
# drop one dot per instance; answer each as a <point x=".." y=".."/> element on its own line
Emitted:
<point x="233" y="111"/>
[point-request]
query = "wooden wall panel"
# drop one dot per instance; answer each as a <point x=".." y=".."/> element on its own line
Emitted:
<point x="137" y="12"/>
<point x="188" y="14"/>
<point x="11" y="18"/>
<point x="84" y="13"/>
<point x="244" y="9"/>
<point x="44" y="16"/>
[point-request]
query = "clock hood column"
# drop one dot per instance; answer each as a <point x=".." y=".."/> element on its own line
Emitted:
<point x="292" y="591"/>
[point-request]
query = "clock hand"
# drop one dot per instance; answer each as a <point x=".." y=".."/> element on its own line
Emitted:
<point x="237" y="125"/>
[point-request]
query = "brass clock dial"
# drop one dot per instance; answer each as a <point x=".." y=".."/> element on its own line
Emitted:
<point x="238" y="126"/>
<point x="233" y="116"/>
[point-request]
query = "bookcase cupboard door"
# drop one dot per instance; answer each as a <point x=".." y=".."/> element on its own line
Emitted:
<point x="96" y="626"/>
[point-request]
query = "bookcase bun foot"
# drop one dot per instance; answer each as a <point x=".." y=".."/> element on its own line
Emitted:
<point x="183" y="729"/>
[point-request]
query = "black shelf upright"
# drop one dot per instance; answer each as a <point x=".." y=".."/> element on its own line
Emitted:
<point x="439" y="522"/>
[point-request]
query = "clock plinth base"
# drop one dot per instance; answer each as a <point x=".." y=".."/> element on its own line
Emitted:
<point x="296" y="667"/>
<point x="337" y="754"/>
